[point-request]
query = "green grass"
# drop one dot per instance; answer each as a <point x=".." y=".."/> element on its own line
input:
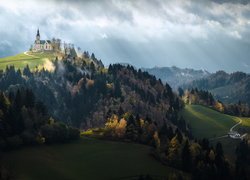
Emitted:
<point x="208" y="123"/>
<point x="246" y="122"/>
<point x="21" y="60"/>
<point x="88" y="159"/>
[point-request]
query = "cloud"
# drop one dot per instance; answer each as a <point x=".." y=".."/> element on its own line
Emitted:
<point x="144" y="33"/>
<point x="104" y="36"/>
<point x="235" y="34"/>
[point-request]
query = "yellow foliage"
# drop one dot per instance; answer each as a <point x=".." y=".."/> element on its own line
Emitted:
<point x="87" y="132"/>
<point x="174" y="143"/>
<point x="116" y="127"/>
<point x="173" y="150"/>
<point x="120" y="128"/>
<point x="112" y="122"/>
<point x="219" y="106"/>
<point x="142" y="122"/>
<point x="157" y="140"/>
<point x="90" y="83"/>
<point x="109" y="85"/>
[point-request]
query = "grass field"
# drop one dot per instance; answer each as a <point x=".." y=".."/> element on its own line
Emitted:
<point x="88" y="159"/>
<point x="208" y="123"/>
<point x="21" y="60"/>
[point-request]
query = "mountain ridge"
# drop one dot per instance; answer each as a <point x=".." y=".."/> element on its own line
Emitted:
<point x="175" y="76"/>
<point x="227" y="87"/>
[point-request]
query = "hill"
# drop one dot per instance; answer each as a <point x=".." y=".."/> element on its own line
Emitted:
<point x="176" y="76"/>
<point x="207" y="123"/>
<point x="86" y="158"/>
<point x="229" y="88"/>
<point x="27" y="58"/>
<point x="85" y="94"/>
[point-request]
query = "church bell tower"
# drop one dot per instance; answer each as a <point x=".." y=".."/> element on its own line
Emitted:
<point x="38" y="37"/>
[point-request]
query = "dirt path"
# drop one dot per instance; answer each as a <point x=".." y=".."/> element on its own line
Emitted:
<point x="26" y="53"/>
<point x="236" y="125"/>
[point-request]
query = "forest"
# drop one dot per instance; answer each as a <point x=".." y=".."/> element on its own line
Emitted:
<point x="118" y="103"/>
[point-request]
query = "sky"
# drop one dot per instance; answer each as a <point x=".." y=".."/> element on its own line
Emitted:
<point x="209" y="34"/>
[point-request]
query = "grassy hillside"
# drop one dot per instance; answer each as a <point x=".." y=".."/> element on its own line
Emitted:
<point x="21" y="60"/>
<point x="207" y="123"/>
<point x="84" y="159"/>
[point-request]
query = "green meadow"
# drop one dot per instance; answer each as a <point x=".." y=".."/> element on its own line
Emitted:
<point x="86" y="158"/>
<point x="207" y="123"/>
<point x="23" y="59"/>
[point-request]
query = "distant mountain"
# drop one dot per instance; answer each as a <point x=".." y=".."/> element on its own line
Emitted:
<point x="175" y="76"/>
<point x="226" y="87"/>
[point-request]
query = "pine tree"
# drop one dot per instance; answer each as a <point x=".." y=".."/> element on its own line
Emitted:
<point x="186" y="157"/>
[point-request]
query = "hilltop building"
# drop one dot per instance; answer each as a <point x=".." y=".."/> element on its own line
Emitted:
<point x="41" y="45"/>
<point x="53" y="45"/>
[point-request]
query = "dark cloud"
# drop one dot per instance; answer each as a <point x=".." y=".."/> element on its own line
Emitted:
<point x="187" y="33"/>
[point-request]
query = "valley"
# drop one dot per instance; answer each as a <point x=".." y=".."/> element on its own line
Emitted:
<point x="124" y="90"/>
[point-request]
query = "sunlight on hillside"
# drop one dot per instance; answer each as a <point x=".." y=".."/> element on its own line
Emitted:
<point x="34" y="60"/>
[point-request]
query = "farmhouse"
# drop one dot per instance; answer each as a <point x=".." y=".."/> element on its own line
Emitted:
<point x="41" y="45"/>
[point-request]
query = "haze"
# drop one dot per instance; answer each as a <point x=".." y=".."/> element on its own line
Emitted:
<point x="209" y="35"/>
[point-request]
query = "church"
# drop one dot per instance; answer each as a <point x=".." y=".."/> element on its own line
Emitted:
<point x="41" y="45"/>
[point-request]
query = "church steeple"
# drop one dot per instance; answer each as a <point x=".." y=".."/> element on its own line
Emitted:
<point x="38" y="35"/>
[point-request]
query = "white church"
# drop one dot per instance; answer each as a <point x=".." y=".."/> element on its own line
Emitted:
<point x="41" y="45"/>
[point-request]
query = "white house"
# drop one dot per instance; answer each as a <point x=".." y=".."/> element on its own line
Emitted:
<point x="41" y="45"/>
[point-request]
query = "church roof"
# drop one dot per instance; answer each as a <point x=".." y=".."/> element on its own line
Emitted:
<point x="44" y="41"/>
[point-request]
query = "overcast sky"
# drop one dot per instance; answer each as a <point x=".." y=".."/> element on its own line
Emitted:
<point x="208" y="34"/>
